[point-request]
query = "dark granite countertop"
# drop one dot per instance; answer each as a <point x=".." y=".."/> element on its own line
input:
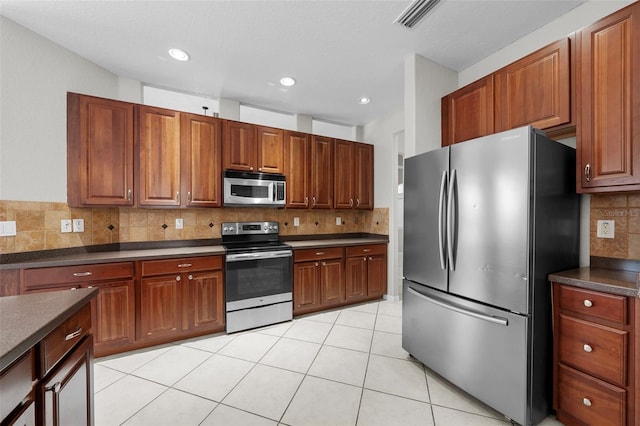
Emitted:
<point x="613" y="281"/>
<point x="27" y="319"/>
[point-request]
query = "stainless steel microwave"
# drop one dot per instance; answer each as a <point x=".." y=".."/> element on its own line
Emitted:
<point x="254" y="189"/>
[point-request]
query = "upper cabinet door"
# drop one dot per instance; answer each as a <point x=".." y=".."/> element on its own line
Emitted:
<point x="297" y="154"/>
<point x="270" y="150"/>
<point x="344" y="185"/>
<point x="99" y="152"/>
<point x="201" y="160"/>
<point x="535" y="90"/>
<point x="363" y="178"/>
<point x="467" y="113"/>
<point x="239" y="148"/>
<point x="608" y="103"/>
<point x="159" y="153"/>
<point x="321" y="172"/>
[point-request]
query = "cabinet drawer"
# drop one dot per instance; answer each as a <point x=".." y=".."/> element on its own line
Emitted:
<point x="366" y="250"/>
<point x="318" y="254"/>
<point x="16" y="383"/>
<point x="593" y="348"/>
<point x="62" y="339"/>
<point x="600" y="305"/>
<point x="177" y="266"/>
<point x="590" y="400"/>
<point x="46" y="277"/>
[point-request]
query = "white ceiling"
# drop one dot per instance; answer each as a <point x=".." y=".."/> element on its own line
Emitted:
<point x="337" y="50"/>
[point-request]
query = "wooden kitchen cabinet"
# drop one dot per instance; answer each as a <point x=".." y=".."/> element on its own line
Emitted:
<point x="270" y="150"/>
<point x="353" y="182"/>
<point x="595" y="358"/>
<point x="608" y="103"/>
<point x="366" y="272"/>
<point x="309" y="169"/>
<point x="468" y="112"/>
<point x="113" y="309"/>
<point x="240" y="146"/>
<point x="181" y="297"/>
<point x="100" y="151"/>
<point x="535" y="90"/>
<point x="318" y="279"/>
<point x="201" y="160"/>
<point x="158" y="148"/>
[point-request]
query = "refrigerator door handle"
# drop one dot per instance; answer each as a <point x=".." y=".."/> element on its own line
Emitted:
<point x="489" y="318"/>
<point x="441" y="222"/>
<point x="451" y="210"/>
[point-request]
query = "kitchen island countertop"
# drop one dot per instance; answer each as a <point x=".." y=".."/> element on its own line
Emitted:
<point x="27" y="319"/>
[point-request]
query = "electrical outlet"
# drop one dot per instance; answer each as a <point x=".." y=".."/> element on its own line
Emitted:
<point x="8" y="228"/>
<point x="296" y="221"/>
<point x="78" y="225"/>
<point x="338" y="221"/>
<point x="179" y="223"/>
<point x="606" y="229"/>
<point x="65" y="225"/>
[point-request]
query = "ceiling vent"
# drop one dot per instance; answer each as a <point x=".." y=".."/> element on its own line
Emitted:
<point x="417" y="10"/>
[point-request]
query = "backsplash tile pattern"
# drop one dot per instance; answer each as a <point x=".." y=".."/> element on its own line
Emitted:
<point x="38" y="224"/>
<point x="624" y="209"/>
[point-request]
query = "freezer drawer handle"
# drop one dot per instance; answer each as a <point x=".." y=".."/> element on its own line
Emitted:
<point x="441" y="224"/>
<point x="489" y="318"/>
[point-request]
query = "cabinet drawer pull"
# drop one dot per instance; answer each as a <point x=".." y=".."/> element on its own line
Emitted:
<point x="319" y="253"/>
<point x="73" y="335"/>
<point x="178" y="278"/>
<point x="184" y="265"/>
<point x="586" y="401"/>
<point x="190" y="277"/>
<point x="82" y="274"/>
<point x="370" y="258"/>
<point x="55" y="388"/>
<point x="587" y="172"/>
<point x="587" y="303"/>
<point x="587" y="348"/>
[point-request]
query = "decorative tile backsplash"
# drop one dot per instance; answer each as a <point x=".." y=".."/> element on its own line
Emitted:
<point x="624" y="210"/>
<point x="38" y="224"/>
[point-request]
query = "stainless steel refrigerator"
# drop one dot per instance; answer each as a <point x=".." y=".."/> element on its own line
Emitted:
<point x="485" y="222"/>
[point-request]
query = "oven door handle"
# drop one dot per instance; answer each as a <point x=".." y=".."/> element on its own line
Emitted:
<point x="259" y="255"/>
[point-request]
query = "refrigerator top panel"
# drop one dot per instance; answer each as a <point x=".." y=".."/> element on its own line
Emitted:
<point x="426" y="177"/>
<point x="490" y="190"/>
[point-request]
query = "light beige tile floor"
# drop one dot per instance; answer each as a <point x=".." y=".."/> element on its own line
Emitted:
<point x="342" y="367"/>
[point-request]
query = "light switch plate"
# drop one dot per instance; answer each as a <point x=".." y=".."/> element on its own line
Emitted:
<point x="606" y="229"/>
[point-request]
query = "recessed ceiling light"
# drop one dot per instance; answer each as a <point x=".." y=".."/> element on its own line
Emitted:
<point x="364" y="100"/>
<point x="287" y="81"/>
<point x="179" y="55"/>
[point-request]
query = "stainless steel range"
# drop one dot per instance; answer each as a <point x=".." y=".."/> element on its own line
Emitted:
<point x="258" y="277"/>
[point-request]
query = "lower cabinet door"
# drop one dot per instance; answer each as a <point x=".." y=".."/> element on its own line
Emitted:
<point x="332" y="281"/>
<point x="113" y="320"/>
<point x="377" y="275"/>
<point x="356" y="278"/>
<point x="306" y="287"/>
<point x="160" y="306"/>
<point x="204" y="308"/>
<point x="65" y="395"/>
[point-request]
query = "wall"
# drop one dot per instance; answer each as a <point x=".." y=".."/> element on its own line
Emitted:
<point x="35" y="75"/>
<point x="624" y="210"/>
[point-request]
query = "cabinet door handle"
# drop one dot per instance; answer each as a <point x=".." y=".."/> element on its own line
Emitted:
<point x="587" y="348"/>
<point x="73" y="335"/>
<point x="177" y="197"/>
<point x="586" y="401"/>
<point x="55" y="388"/>
<point x="314" y="201"/>
<point x="306" y="201"/>
<point x="587" y="303"/>
<point x="357" y="202"/>
<point x="184" y="265"/>
<point x="82" y="274"/>
<point x="178" y="278"/>
<point x="189" y="197"/>
<point x="190" y="277"/>
<point x="350" y="202"/>
<point x="128" y="195"/>
<point x="259" y="169"/>
<point x="587" y="172"/>
<point x="317" y="264"/>
<point x="370" y="258"/>
<point x="324" y="263"/>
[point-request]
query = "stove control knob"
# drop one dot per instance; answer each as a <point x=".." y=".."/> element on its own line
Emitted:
<point x="266" y="227"/>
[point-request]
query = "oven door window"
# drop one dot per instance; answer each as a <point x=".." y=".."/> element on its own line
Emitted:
<point x="257" y="278"/>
